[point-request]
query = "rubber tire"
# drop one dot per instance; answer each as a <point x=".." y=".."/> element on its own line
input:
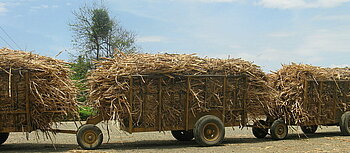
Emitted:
<point x="89" y="128"/>
<point x="259" y="132"/>
<point x="275" y="127"/>
<point x="199" y="128"/>
<point x="344" y="124"/>
<point x="3" y="137"/>
<point x="183" y="135"/>
<point x="309" y="129"/>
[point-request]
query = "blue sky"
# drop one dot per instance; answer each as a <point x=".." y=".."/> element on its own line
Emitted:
<point x="266" y="32"/>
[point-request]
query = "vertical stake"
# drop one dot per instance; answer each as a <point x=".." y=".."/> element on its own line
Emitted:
<point x="28" y="112"/>
<point x="187" y="102"/>
<point x="130" y="103"/>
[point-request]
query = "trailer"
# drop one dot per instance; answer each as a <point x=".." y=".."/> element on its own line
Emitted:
<point x="223" y="103"/>
<point x="16" y="106"/>
<point x="327" y="103"/>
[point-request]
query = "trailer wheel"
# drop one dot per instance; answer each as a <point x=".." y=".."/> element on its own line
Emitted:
<point x="258" y="131"/>
<point x="89" y="137"/>
<point x="3" y="137"/>
<point x="183" y="135"/>
<point x="309" y="129"/>
<point x="345" y="123"/>
<point x="279" y="130"/>
<point x="209" y="130"/>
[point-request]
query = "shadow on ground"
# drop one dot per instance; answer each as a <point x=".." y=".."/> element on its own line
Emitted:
<point x="36" y="147"/>
<point x="149" y="144"/>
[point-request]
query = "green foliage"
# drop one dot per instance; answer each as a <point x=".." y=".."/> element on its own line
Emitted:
<point x="95" y="35"/>
<point x="82" y="93"/>
<point x="101" y="23"/>
<point x="81" y="67"/>
<point x="85" y="112"/>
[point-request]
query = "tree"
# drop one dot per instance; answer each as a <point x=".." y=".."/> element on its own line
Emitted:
<point x="96" y="35"/>
<point x="81" y="67"/>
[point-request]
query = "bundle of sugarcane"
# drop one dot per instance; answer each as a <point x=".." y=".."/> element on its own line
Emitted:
<point x="47" y="89"/>
<point x="298" y="103"/>
<point x="340" y="73"/>
<point x="110" y="85"/>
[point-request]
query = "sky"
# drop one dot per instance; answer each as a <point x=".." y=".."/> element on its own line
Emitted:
<point x="266" y="32"/>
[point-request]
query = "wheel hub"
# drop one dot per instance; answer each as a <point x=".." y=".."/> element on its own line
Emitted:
<point x="211" y="132"/>
<point x="280" y="130"/>
<point x="90" y="137"/>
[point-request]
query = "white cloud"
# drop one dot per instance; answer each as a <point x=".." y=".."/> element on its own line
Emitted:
<point x="43" y="6"/>
<point x="3" y="9"/>
<point x="328" y="48"/>
<point x="301" y="4"/>
<point x="151" y="39"/>
<point x="325" y="41"/>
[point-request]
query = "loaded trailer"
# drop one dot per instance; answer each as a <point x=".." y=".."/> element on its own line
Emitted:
<point x="190" y="106"/>
<point x="327" y="103"/>
<point x="16" y="110"/>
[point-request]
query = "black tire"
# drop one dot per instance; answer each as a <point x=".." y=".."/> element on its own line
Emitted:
<point x="278" y="130"/>
<point x="259" y="131"/>
<point x="209" y="130"/>
<point x="3" y="137"/>
<point x="345" y="123"/>
<point x="89" y="137"/>
<point x="309" y="129"/>
<point x="183" y="135"/>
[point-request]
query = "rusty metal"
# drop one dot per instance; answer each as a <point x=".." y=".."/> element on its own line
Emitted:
<point x="211" y="132"/>
<point x="334" y="110"/>
<point x="219" y="108"/>
<point x="320" y="105"/>
<point x="160" y="106"/>
<point x="324" y="96"/>
<point x="244" y="120"/>
<point x="306" y="99"/>
<point x="144" y="104"/>
<point x="187" y="103"/>
<point x="28" y="112"/>
<point x="15" y="111"/>
<point x="94" y="119"/>
<point x="63" y="131"/>
<point x="224" y="99"/>
<point x="131" y="104"/>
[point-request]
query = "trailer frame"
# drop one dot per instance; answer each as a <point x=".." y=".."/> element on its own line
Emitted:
<point x="325" y="101"/>
<point x="15" y="112"/>
<point x="191" y="120"/>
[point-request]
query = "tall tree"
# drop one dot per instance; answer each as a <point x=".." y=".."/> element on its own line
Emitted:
<point x="96" y="34"/>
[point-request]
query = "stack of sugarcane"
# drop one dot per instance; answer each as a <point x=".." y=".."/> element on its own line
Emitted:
<point x="48" y="89"/>
<point x="110" y="86"/>
<point x="301" y="104"/>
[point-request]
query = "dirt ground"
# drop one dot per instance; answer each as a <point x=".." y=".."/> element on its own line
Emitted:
<point x="327" y="139"/>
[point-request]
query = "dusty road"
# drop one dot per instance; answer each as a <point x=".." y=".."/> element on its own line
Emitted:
<point x="327" y="139"/>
